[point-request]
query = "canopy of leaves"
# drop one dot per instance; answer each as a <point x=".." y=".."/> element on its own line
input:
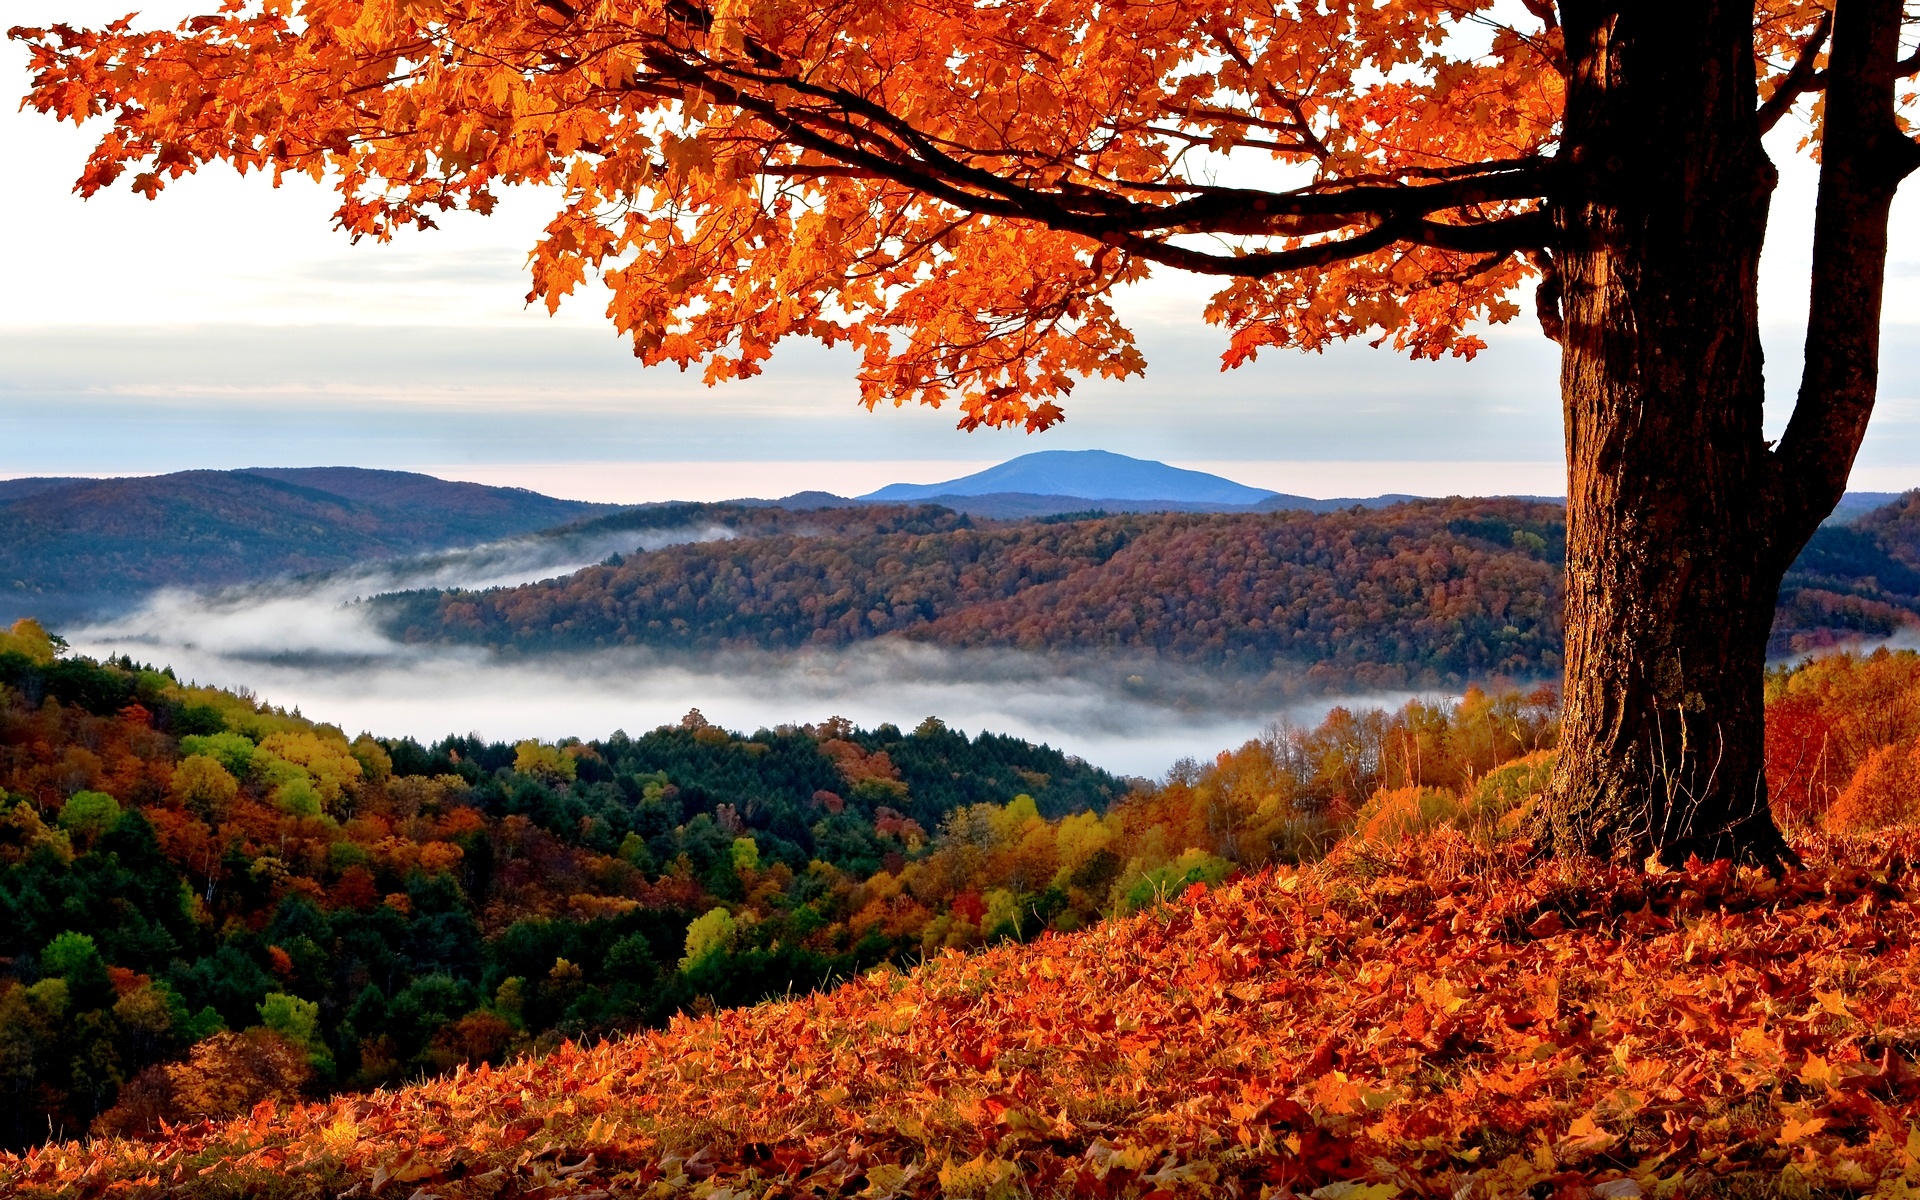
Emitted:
<point x="954" y="189"/>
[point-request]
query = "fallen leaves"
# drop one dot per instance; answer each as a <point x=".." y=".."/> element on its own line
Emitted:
<point x="1269" y="1034"/>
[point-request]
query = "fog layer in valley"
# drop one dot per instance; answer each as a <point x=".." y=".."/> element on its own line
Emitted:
<point x="307" y="643"/>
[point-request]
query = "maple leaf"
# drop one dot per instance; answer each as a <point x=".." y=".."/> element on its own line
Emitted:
<point x="1794" y="1131"/>
<point x="1818" y="1072"/>
<point x="1356" y="1190"/>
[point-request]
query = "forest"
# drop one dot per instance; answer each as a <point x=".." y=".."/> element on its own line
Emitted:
<point x="188" y="871"/>
<point x="206" y="902"/>
<point x="1416" y="595"/>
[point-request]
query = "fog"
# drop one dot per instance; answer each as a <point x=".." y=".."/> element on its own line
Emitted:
<point x="308" y="644"/>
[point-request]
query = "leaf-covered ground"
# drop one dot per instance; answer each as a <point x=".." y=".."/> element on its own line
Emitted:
<point x="1421" y="1021"/>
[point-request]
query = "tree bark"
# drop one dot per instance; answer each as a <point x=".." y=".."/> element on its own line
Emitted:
<point x="1681" y="520"/>
<point x="1668" y="605"/>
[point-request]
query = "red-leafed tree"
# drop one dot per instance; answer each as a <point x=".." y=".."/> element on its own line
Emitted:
<point x="955" y="188"/>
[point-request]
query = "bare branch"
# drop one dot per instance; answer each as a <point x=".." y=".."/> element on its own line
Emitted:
<point x="1502" y="237"/>
<point x="1863" y="157"/>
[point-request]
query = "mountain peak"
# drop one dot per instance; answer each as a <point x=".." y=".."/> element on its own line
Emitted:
<point x="1088" y="474"/>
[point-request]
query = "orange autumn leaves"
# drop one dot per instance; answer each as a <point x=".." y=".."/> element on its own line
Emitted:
<point x="954" y="189"/>
<point x="1424" y="1021"/>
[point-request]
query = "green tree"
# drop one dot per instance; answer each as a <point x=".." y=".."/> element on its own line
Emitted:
<point x="87" y="815"/>
<point x="707" y="935"/>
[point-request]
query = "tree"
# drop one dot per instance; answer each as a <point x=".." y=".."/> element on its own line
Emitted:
<point x="955" y="188"/>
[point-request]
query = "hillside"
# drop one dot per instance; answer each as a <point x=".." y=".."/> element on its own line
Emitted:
<point x="1417" y="594"/>
<point x="1413" y="1018"/>
<point x="1426" y="593"/>
<point x="74" y="548"/>
<point x="174" y="858"/>
<point x="1857" y="579"/>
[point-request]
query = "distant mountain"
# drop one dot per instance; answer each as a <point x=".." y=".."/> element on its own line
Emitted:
<point x="15" y="489"/>
<point x="1088" y="474"/>
<point x="75" y="548"/>
<point x="1026" y="506"/>
<point x="1855" y="505"/>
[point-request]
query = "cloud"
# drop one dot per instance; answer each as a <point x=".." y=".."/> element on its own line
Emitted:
<point x="318" y="618"/>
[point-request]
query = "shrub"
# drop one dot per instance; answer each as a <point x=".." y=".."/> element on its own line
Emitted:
<point x="1881" y="794"/>
<point x="1505" y="795"/>
<point x="231" y="750"/>
<point x="229" y="1073"/>
<point x="707" y="936"/>
<point x="1398" y="813"/>
<point x="201" y="783"/>
<point x="1168" y="882"/>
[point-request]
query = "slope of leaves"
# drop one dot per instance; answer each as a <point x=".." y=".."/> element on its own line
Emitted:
<point x="1415" y="1018"/>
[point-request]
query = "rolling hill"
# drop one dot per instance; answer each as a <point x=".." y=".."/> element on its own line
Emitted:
<point x="1857" y="578"/>
<point x="1427" y="593"/>
<point x="73" y="548"/>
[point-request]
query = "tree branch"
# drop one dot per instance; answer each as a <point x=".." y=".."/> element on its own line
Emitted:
<point x="864" y="136"/>
<point x="1800" y="79"/>
<point x="1547" y="297"/>
<point x="1863" y="157"/>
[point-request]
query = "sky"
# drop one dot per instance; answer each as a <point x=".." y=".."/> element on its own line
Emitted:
<point x="225" y="325"/>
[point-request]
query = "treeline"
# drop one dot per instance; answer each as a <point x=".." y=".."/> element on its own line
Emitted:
<point x="1426" y="593"/>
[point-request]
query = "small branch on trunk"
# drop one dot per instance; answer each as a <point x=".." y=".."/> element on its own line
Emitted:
<point x="1800" y="79"/>
<point x="1544" y="10"/>
<point x="1546" y="299"/>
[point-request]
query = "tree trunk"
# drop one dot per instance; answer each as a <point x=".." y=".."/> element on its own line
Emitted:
<point x="1670" y="591"/>
<point x="1681" y="520"/>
